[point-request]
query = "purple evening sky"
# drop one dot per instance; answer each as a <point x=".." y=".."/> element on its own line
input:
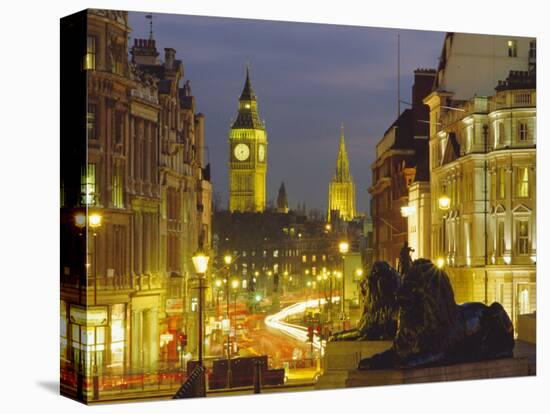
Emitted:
<point x="309" y="79"/>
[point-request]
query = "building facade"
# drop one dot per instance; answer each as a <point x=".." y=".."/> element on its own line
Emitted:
<point x="341" y="190"/>
<point x="146" y="181"/>
<point x="483" y="184"/>
<point x="401" y="164"/>
<point x="247" y="155"/>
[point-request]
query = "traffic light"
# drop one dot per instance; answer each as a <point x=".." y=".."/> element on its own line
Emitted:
<point x="182" y="340"/>
<point x="310" y="333"/>
<point x="319" y="331"/>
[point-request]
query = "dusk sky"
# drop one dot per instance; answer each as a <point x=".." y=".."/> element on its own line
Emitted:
<point x="309" y="79"/>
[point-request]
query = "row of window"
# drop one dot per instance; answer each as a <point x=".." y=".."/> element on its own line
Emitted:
<point x="521" y="183"/>
<point x="287" y="253"/>
<point x="521" y="231"/>
<point x="89" y="186"/>
<point x="90" y="58"/>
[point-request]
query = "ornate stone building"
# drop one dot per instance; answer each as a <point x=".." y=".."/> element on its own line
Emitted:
<point x="247" y="155"/>
<point x="483" y="183"/>
<point x="341" y="190"/>
<point x="401" y="165"/>
<point x="145" y="178"/>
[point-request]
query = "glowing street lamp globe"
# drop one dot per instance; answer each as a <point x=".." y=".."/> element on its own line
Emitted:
<point x="218" y="282"/>
<point x="343" y="247"/>
<point x="440" y="262"/>
<point x="444" y="202"/>
<point x="80" y="220"/>
<point x="235" y="284"/>
<point x="227" y="259"/>
<point x="94" y="220"/>
<point x="200" y="261"/>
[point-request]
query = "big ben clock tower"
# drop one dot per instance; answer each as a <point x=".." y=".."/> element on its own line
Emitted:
<point x="247" y="155"/>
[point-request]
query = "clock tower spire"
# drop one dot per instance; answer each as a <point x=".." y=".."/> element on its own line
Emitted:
<point x="247" y="155"/>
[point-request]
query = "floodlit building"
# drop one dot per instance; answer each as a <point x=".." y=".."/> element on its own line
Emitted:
<point x="400" y="178"/>
<point x="482" y="167"/>
<point x="341" y="190"/>
<point x="247" y="155"/>
<point x="145" y="183"/>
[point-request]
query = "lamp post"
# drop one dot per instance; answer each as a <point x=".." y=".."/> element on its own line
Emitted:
<point x="444" y="203"/>
<point x="227" y="260"/>
<point x="343" y="248"/>
<point x="200" y="262"/>
<point x="218" y="291"/>
<point x="235" y="285"/>
<point x="486" y="262"/>
<point x="93" y="222"/>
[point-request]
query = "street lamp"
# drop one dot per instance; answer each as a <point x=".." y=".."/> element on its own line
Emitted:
<point x="218" y="291"/>
<point x="200" y="262"/>
<point x="235" y="285"/>
<point x="94" y="222"/>
<point x="343" y="247"/>
<point x="444" y="203"/>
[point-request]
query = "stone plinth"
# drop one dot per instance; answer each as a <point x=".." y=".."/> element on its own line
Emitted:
<point x="498" y="368"/>
<point x="343" y="356"/>
<point x="526" y="328"/>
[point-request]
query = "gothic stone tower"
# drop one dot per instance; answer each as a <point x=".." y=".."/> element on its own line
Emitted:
<point x="341" y="190"/>
<point x="282" y="200"/>
<point x="247" y="155"/>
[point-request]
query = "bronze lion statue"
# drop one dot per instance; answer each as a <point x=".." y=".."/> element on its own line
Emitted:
<point x="434" y="330"/>
<point x="379" y="318"/>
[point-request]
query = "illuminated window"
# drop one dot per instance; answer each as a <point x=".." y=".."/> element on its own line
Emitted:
<point x="499" y="133"/>
<point x="89" y="59"/>
<point x="523" y="301"/>
<point x="117" y="189"/>
<point x="304" y="258"/>
<point x="523" y="237"/>
<point x="469" y="134"/>
<point x="512" y="48"/>
<point x="501" y="243"/>
<point x="501" y="183"/>
<point x="275" y="253"/>
<point x="523" y="182"/>
<point x="91" y="121"/>
<point x="522" y="131"/>
<point x="88" y="185"/>
<point x="314" y="258"/>
<point x="63" y="329"/>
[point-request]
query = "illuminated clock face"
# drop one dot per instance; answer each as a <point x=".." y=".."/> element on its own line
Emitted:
<point x="261" y="153"/>
<point x="242" y="152"/>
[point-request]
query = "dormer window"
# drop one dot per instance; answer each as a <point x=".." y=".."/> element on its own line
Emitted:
<point x="512" y="48"/>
